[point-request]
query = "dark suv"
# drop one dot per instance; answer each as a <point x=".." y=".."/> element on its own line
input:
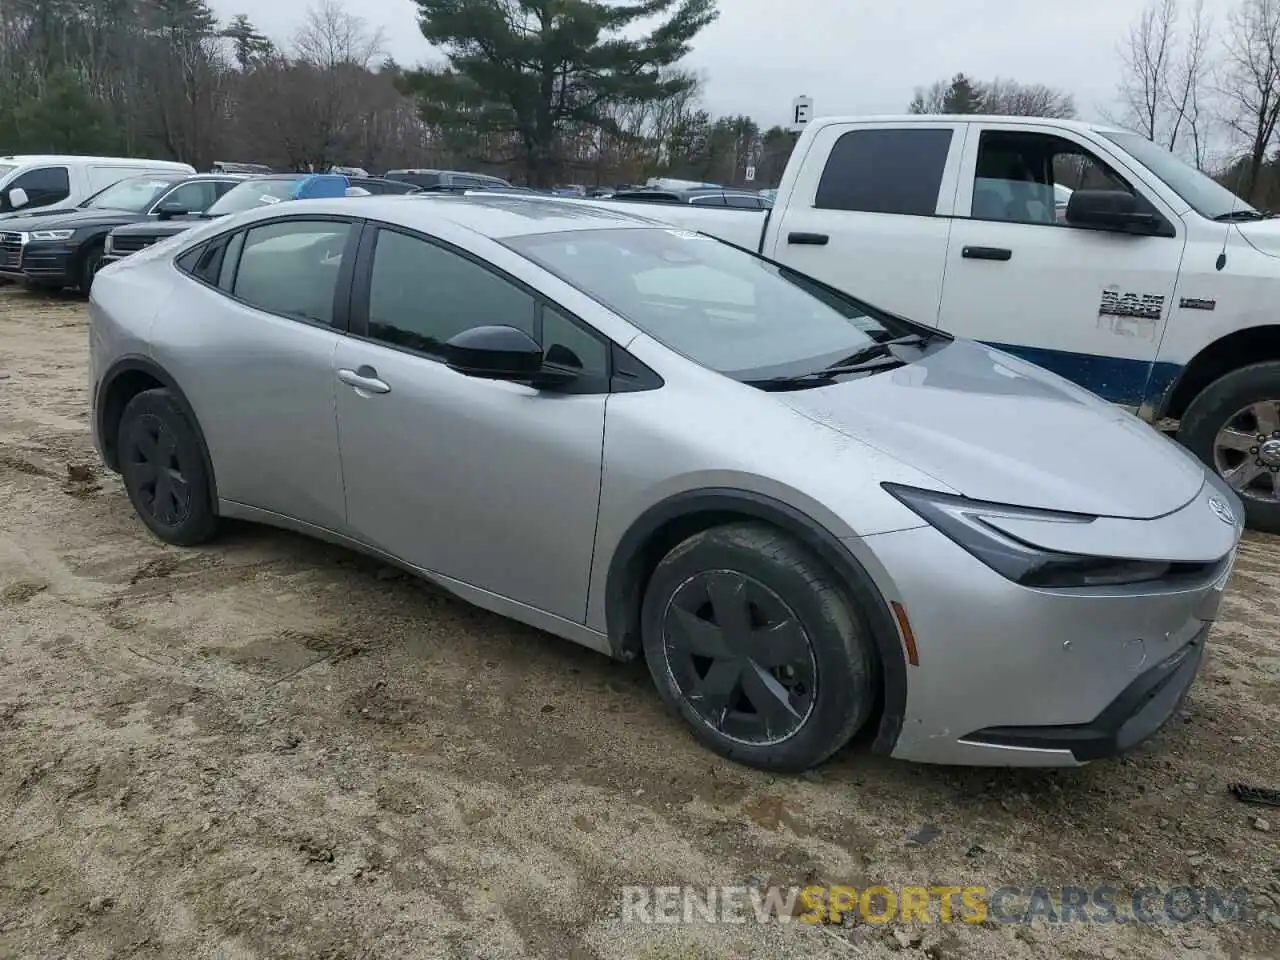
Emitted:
<point x="65" y="249"/>
<point x="250" y="193"/>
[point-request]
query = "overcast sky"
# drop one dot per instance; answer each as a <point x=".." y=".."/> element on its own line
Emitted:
<point x="850" y="56"/>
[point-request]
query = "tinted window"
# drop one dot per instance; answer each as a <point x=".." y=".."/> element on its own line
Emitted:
<point x="291" y="268"/>
<point x="196" y="196"/>
<point x="222" y="186"/>
<point x="421" y="295"/>
<point x="720" y="306"/>
<point x="739" y="200"/>
<point x="205" y="262"/>
<point x="1018" y="175"/>
<point x="44" y="186"/>
<point x="885" y="171"/>
<point x="709" y="200"/>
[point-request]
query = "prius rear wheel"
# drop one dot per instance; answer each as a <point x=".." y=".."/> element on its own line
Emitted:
<point x="750" y="640"/>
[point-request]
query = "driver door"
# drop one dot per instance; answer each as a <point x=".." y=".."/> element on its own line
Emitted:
<point x="492" y="484"/>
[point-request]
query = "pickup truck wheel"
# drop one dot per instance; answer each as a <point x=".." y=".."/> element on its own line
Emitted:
<point x="90" y="263"/>
<point x="750" y="640"/>
<point x="1234" y="427"/>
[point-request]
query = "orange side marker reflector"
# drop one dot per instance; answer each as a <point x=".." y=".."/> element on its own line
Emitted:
<point x="908" y="638"/>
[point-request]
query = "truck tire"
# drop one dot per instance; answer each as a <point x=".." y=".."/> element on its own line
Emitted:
<point x="1233" y="425"/>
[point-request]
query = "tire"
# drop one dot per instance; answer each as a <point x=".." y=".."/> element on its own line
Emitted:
<point x="829" y="670"/>
<point x="157" y="445"/>
<point x="89" y="265"/>
<point x="1218" y="406"/>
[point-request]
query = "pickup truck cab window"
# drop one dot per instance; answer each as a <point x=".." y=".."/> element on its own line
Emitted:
<point x="885" y="171"/>
<point x="1017" y="172"/>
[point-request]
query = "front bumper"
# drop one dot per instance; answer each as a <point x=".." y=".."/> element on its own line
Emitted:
<point x="49" y="263"/>
<point x="1007" y="675"/>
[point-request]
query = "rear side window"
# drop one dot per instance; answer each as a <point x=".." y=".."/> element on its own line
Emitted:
<point x="885" y="171"/>
<point x="291" y="268"/>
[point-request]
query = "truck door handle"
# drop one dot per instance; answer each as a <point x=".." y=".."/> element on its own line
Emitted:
<point x="986" y="253"/>
<point x="811" y="239"/>
<point x="365" y="380"/>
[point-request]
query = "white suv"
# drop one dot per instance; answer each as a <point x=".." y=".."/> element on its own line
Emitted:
<point x="31" y="182"/>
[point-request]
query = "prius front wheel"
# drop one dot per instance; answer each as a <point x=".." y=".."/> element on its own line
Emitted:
<point x="750" y="640"/>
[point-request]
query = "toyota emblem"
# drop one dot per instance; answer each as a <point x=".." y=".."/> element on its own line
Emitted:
<point x="1222" y="511"/>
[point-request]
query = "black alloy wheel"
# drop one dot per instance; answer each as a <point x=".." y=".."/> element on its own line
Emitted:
<point x="740" y="657"/>
<point x="752" y="640"/>
<point x="164" y="469"/>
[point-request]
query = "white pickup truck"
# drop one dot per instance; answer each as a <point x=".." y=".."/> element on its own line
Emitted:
<point x="1143" y="280"/>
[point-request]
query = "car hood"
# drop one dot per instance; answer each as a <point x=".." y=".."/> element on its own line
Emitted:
<point x="74" y="219"/>
<point x="11" y="215"/>
<point x="1262" y="235"/>
<point x="995" y="428"/>
<point x="161" y="228"/>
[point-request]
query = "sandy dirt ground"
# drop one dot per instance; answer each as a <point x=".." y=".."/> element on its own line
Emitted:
<point x="270" y="748"/>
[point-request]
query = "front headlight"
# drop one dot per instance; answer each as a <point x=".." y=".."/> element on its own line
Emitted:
<point x="52" y="234"/>
<point x="964" y="522"/>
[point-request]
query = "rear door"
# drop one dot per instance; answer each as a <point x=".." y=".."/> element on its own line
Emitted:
<point x="874" y="219"/>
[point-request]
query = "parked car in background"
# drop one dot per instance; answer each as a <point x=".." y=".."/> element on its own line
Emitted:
<point x="251" y="193"/>
<point x="34" y="184"/>
<point x="696" y="196"/>
<point x="65" y="249"/>
<point x="349" y="171"/>
<point x="430" y="179"/>
<point x="224" y="166"/>
<point x="807" y="514"/>
<point x="1154" y="288"/>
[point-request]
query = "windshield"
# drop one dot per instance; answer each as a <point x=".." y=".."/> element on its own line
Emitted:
<point x="135" y="195"/>
<point x="253" y="194"/>
<point x="1205" y="195"/>
<point x="718" y="305"/>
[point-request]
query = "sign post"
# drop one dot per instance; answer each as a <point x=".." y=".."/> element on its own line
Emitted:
<point x="801" y="113"/>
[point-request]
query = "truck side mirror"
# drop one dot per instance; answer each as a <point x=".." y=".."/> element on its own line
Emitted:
<point x="1110" y="210"/>
<point x="18" y="198"/>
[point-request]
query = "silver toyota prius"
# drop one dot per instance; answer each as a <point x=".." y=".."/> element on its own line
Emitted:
<point x="807" y="515"/>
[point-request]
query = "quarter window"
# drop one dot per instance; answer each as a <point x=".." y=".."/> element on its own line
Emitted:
<point x="885" y="171"/>
<point x="291" y="268"/>
<point x="421" y="295"/>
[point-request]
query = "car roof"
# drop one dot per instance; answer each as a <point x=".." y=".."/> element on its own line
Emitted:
<point x="489" y="213"/>
<point x="71" y="157"/>
<point x="905" y="118"/>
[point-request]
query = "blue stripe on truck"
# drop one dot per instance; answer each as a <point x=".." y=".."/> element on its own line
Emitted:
<point x="1131" y="382"/>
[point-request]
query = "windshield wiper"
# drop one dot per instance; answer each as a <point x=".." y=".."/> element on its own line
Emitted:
<point x="1235" y="215"/>
<point x="820" y="377"/>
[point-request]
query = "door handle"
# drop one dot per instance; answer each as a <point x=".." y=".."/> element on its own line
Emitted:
<point x="986" y="253"/>
<point x="810" y="239"/>
<point x="364" y="379"/>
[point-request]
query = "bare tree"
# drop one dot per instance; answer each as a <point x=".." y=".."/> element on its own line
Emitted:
<point x="1013" y="99"/>
<point x="1185" y="92"/>
<point x="331" y="37"/>
<point x="1251" y="81"/>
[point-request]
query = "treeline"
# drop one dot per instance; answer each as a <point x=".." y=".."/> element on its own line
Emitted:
<point x="166" y="79"/>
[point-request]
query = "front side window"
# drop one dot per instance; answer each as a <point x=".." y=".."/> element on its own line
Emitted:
<point x="720" y="306"/>
<point x="421" y="295"/>
<point x="1028" y="177"/>
<point x="291" y="268"/>
<point x="885" y="171"/>
<point x="44" y="186"/>
<point x="194" y="197"/>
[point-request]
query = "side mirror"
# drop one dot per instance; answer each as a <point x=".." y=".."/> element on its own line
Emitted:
<point x="494" y="353"/>
<point x="1109" y="210"/>
<point x="18" y="198"/>
<point x="167" y="211"/>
